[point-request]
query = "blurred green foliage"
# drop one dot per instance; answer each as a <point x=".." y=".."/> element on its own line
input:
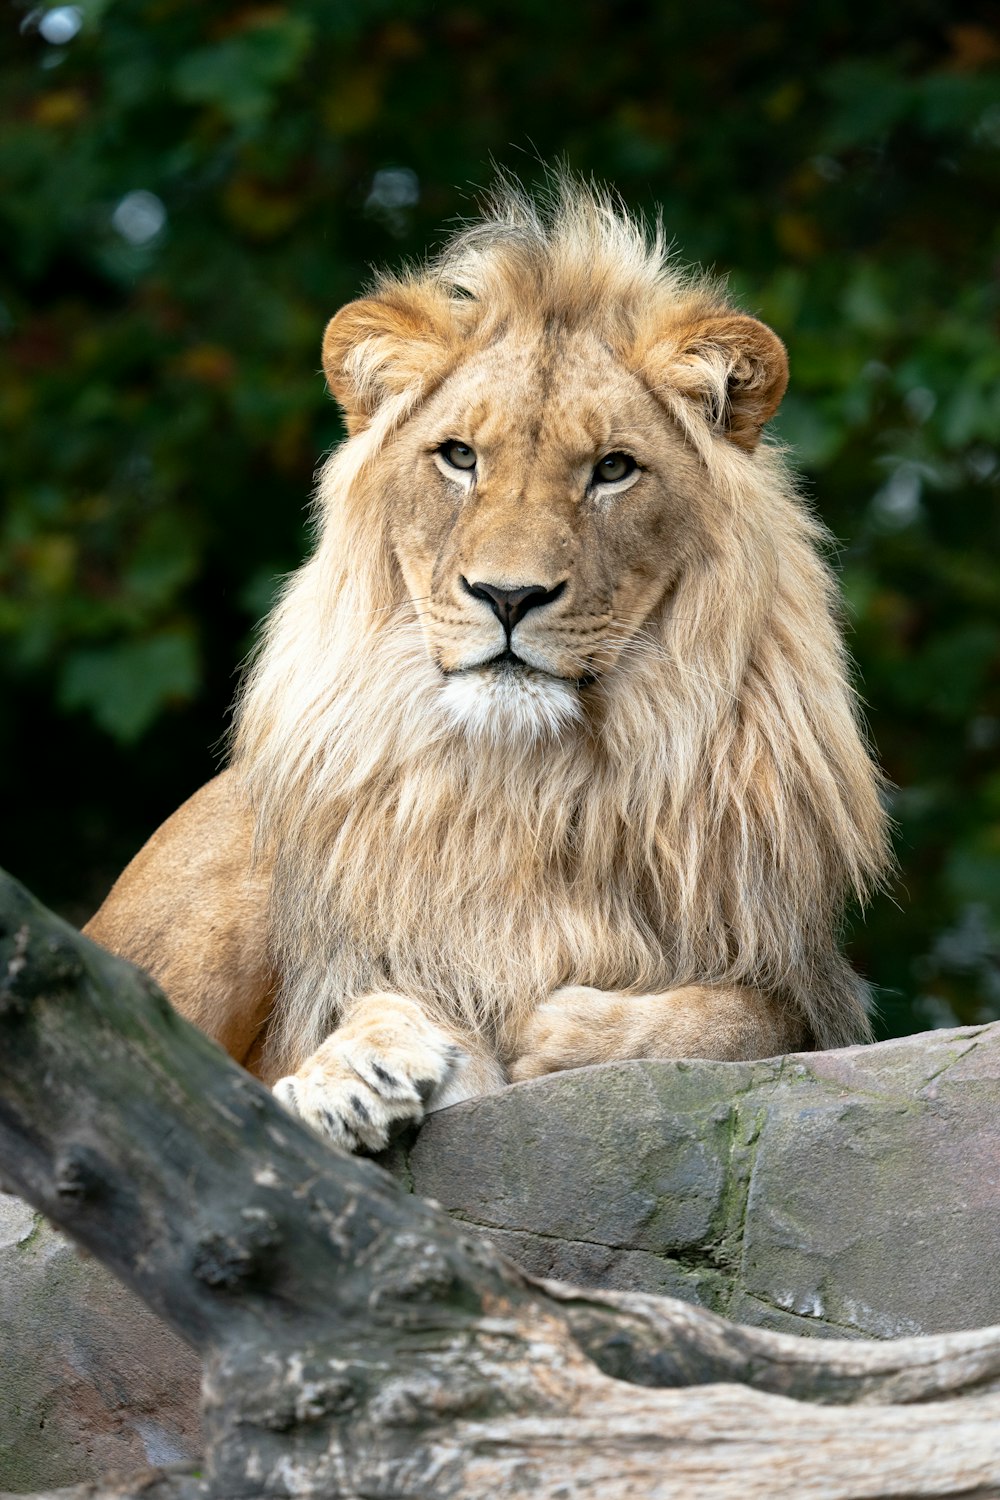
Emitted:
<point x="187" y="191"/>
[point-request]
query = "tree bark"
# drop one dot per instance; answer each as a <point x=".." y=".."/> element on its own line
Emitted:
<point x="358" y="1343"/>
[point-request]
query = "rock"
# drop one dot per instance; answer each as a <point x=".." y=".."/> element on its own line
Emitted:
<point x="90" y="1382"/>
<point x="843" y="1193"/>
<point x="852" y="1193"/>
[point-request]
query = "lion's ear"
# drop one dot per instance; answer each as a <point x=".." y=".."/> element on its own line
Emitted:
<point x="735" y="368"/>
<point x="384" y="346"/>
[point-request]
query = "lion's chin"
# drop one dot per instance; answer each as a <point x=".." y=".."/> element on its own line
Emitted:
<point x="510" y="707"/>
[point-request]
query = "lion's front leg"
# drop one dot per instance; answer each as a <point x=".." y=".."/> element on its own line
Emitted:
<point x="578" y="1026"/>
<point x="387" y="1064"/>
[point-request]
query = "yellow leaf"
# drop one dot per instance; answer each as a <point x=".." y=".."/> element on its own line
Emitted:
<point x="784" y="101"/>
<point x="60" y="107"/>
<point x="208" y="363"/>
<point x="354" y="102"/>
<point x="51" y="562"/>
<point x="259" y="210"/>
<point x="797" y="235"/>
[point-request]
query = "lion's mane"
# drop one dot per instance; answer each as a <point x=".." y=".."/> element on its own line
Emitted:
<point x="706" y="826"/>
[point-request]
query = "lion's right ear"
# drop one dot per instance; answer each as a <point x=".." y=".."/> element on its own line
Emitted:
<point x="401" y="341"/>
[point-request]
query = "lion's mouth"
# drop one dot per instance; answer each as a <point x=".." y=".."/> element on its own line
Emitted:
<point x="508" y="663"/>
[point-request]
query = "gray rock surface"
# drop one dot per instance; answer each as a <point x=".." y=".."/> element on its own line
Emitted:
<point x="841" y="1193"/>
<point x="90" y="1382"/>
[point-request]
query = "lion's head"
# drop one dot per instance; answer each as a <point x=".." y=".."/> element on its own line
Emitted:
<point x="560" y="697"/>
<point x="543" y="495"/>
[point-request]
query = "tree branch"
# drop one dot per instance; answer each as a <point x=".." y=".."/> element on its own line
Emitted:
<point x="360" y="1343"/>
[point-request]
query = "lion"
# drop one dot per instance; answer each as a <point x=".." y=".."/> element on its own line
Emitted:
<point x="549" y="754"/>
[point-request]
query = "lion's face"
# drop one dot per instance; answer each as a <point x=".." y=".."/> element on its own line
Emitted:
<point x="539" y="460"/>
<point x="541" y="503"/>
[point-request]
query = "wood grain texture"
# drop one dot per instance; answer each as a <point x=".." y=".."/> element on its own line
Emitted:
<point x="359" y="1343"/>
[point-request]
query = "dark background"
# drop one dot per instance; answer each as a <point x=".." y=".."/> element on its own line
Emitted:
<point x="187" y="192"/>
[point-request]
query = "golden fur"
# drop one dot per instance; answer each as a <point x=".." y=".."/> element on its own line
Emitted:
<point x="674" y="797"/>
<point x="706" y="825"/>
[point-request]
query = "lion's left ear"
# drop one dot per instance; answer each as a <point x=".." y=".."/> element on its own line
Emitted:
<point x="388" y="345"/>
<point x="735" y="368"/>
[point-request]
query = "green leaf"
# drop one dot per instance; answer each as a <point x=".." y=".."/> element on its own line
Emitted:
<point x="241" y="75"/>
<point x="126" y="686"/>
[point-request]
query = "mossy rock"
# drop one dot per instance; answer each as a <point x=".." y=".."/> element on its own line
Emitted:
<point x="845" y="1193"/>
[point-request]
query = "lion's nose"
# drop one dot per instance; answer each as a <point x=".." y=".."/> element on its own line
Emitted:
<point x="511" y="605"/>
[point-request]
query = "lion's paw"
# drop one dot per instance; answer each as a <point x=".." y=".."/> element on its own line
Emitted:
<point x="571" y="1029"/>
<point x="356" y="1090"/>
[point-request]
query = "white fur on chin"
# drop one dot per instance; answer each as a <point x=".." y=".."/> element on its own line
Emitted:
<point x="509" y="707"/>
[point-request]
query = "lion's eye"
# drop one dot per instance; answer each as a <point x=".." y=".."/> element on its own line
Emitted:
<point x="458" y="455"/>
<point x="614" y="466"/>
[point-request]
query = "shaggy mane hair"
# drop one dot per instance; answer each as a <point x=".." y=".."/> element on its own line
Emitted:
<point x="705" y="825"/>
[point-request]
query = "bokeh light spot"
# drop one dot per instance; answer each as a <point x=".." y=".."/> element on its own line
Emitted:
<point x="61" y="25"/>
<point x="139" y="217"/>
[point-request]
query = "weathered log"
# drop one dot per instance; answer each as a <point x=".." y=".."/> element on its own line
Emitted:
<point x="357" y="1342"/>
